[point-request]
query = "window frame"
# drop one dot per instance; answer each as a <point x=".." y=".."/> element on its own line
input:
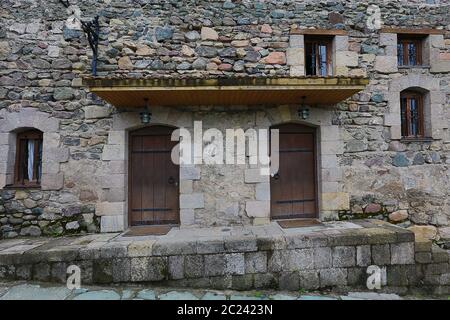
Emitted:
<point x="406" y="119"/>
<point x="19" y="168"/>
<point x="316" y="41"/>
<point x="403" y="41"/>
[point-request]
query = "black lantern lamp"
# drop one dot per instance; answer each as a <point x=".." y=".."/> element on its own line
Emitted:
<point x="145" y="115"/>
<point x="303" y="112"/>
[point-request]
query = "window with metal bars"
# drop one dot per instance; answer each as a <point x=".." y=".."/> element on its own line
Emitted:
<point x="28" y="168"/>
<point x="409" y="51"/>
<point x="412" y="115"/>
<point x="318" y="56"/>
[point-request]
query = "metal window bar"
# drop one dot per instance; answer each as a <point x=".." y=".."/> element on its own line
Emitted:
<point x="412" y="54"/>
<point x="400" y="54"/>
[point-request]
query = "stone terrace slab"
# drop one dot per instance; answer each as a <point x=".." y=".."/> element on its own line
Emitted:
<point x="335" y="254"/>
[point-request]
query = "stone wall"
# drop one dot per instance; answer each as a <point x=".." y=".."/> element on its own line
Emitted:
<point x="298" y="260"/>
<point x="366" y="170"/>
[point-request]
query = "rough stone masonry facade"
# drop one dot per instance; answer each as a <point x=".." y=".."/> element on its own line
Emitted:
<point x="366" y="170"/>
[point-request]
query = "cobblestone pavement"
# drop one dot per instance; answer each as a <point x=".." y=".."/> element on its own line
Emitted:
<point x="41" y="291"/>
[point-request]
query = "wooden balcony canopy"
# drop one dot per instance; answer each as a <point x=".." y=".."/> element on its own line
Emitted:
<point x="225" y="91"/>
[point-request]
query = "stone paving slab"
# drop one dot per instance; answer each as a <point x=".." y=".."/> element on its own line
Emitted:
<point x="38" y="291"/>
<point x="3" y="290"/>
<point x="184" y="235"/>
<point x="98" y="295"/>
<point x="35" y="292"/>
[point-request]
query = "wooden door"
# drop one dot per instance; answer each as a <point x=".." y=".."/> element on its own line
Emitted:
<point x="293" y="188"/>
<point x="153" y="177"/>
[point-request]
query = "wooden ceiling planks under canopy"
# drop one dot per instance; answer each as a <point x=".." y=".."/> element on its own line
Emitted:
<point x="130" y="93"/>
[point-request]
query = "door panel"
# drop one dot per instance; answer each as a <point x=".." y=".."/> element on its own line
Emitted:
<point x="154" y="178"/>
<point x="293" y="188"/>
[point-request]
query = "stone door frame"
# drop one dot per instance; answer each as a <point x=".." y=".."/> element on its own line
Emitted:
<point x="131" y="133"/>
<point x="113" y="203"/>
<point x="332" y="198"/>
<point x="315" y="168"/>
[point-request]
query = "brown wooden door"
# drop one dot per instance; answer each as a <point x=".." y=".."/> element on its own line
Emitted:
<point x="293" y="188"/>
<point x="153" y="177"/>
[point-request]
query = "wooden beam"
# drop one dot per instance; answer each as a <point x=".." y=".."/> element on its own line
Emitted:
<point x="412" y="31"/>
<point x="222" y="83"/>
<point x="225" y="91"/>
<point x="324" y="32"/>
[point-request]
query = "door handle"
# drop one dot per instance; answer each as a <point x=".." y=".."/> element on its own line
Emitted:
<point x="172" y="181"/>
<point x="276" y="176"/>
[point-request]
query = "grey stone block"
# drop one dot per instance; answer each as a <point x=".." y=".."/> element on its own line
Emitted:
<point x="262" y="191"/>
<point x="309" y="280"/>
<point x="86" y="268"/>
<point x="220" y="283"/>
<point x="23" y="272"/>
<point x="186" y="186"/>
<point x="59" y="272"/>
<point x="257" y="209"/>
<point x="423" y="257"/>
<point x="344" y="256"/>
<point x="113" y="250"/>
<point x="265" y="280"/>
<point x="322" y="257"/>
<point x="189" y="173"/>
<point x="298" y="259"/>
<point x="157" y="268"/>
<point x="95" y="112"/>
<point x="348" y="238"/>
<point x="61" y="254"/>
<point x="380" y="236"/>
<point x="296" y="241"/>
<point x="41" y="271"/>
<point x="397" y="275"/>
<point x="187" y="217"/>
<point x="270" y="243"/>
<point x="215" y="265"/>
<point x="445" y="279"/>
<point x="357" y="277"/>
<point x="404" y="235"/>
<point x="7" y="272"/>
<point x="432" y="279"/>
<point x="363" y="255"/>
<point x="275" y="262"/>
<point x="333" y="277"/>
<point x="254" y="176"/>
<point x="193" y="283"/>
<point x="289" y="281"/>
<point x="256" y="262"/>
<point x="402" y="253"/>
<point x="121" y="270"/>
<point x="242" y="282"/>
<point x="422" y="246"/>
<point x="194" y="266"/>
<point x="235" y="263"/>
<point x="437" y="268"/>
<point x="174" y="247"/>
<point x="192" y="201"/>
<point x="439" y="255"/>
<point x="139" y="269"/>
<point x="381" y="254"/>
<point x="210" y="246"/>
<point x="242" y="244"/>
<point x="176" y="267"/>
<point x="140" y="248"/>
<point x="102" y="271"/>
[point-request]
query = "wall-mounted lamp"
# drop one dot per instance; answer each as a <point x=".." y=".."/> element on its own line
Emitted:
<point x="303" y="112"/>
<point x="145" y="115"/>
